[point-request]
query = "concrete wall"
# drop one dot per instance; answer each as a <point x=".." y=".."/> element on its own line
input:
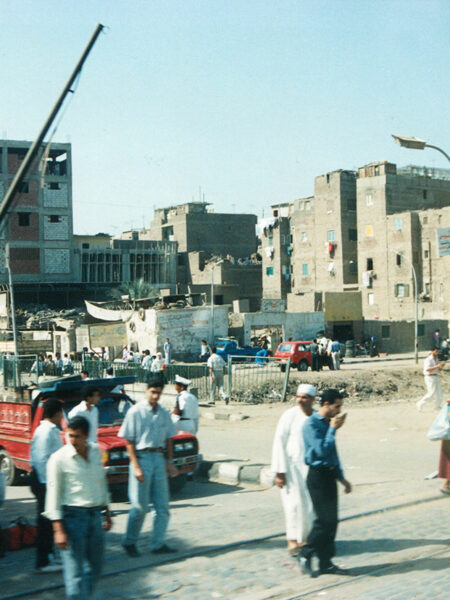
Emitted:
<point x="398" y="336"/>
<point x="342" y="306"/>
<point x="295" y="325"/>
<point x="184" y="327"/>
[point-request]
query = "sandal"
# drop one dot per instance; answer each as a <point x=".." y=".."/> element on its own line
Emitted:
<point x="445" y="491"/>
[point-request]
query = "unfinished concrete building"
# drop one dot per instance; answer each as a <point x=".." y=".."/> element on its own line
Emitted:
<point x="101" y="260"/>
<point x="39" y="227"/>
<point x="276" y="249"/>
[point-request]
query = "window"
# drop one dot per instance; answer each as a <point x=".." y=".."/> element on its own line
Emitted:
<point x="331" y="236"/>
<point x="353" y="267"/>
<point x="427" y="288"/>
<point x="369" y="264"/>
<point x="370" y="298"/>
<point x="275" y="213"/>
<point x="351" y="204"/>
<point x="55" y="219"/>
<point x="24" y="188"/>
<point x="398" y="224"/>
<point x="424" y="194"/>
<point x="54" y="186"/>
<point x="369" y="199"/>
<point x="85" y="246"/>
<point x="269" y="271"/>
<point x="369" y="231"/>
<point x="385" y="331"/>
<point x="352" y="235"/>
<point x="328" y="178"/>
<point x="439" y="219"/>
<point x="307" y="205"/>
<point x="425" y="220"/>
<point x="180" y="260"/>
<point x="304" y="270"/>
<point x="421" y="330"/>
<point x="284" y="269"/>
<point x="441" y="291"/>
<point x="426" y="253"/>
<point x="401" y="290"/>
<point x="399" y="259"/>
<point x="270" y="240"/>
<point x="304" y="236"/>
<point x="24" y="219"/>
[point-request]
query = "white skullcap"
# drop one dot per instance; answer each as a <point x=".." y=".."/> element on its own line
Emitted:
<point x="306" y="388"/>
<point x="182" y="380"/>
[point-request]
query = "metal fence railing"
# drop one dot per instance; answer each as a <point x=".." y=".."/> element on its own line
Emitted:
<point x="258" y="379"/>
<point x="21" y="371"/>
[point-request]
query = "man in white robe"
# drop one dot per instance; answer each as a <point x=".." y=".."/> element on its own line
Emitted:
<point x="290" y="469"/>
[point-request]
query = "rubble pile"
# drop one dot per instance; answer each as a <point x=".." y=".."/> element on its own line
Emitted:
<point x="39" y="317"/>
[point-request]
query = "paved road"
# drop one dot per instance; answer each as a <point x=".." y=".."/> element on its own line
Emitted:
<point x="210" y="516"/>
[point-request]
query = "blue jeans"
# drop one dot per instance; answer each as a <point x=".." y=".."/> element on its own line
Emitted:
<point x="154" y="488"/>
<point x="85" y="545"/>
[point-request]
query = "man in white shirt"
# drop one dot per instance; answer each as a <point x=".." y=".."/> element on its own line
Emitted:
<point x="88" y="409"/>
<point x="77" y="495"/>
<point x="290" y="470"/>
<point x="46" y="440"/>
<point x="146" y="429"/>
<point x="118" y="389"/>
<point x="216" y="366"/>
<point x="432" y="368"/>
<point x="185" y="414"/>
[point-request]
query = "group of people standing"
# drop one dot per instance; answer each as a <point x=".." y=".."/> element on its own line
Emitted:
<point x="70" y="485"/>
<point x="58" y="366"/>
<point x="325" y="352"/>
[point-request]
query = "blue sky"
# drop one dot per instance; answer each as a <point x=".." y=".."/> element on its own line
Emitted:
<point x="244" y="100"/>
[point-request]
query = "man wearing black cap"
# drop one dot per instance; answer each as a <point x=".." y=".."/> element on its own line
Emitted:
<point x="146" y="428"/>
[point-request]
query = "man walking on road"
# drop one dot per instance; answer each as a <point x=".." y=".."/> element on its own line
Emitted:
<point x="77" y="496"/>
<point x="288" y="464"/>
<point x="146" y="429"/>
<point x="216" y="366"/>
<point x="314" y="356"/>
<point x="46" y="440"/>
<point x="431" y="370"/>
<point x="88" y="409"/>
<point x="325" y="469"/>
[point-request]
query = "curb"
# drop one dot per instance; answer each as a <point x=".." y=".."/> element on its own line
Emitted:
<point x="237" y="473"/>
<point x="377" y="360"/>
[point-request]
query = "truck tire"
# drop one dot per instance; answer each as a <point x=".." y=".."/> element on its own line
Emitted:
<point x="8" y="468"/>
<point x="176" y="484"/>
<point x="303" y="365"/>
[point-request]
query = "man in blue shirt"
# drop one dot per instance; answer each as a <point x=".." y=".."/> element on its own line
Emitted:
<point x="325" y="469"/>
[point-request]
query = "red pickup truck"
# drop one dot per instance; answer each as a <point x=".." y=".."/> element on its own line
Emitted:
<point x="19" y="419"/>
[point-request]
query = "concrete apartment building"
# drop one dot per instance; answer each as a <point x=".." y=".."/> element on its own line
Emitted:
<point x="276" y="247"/>
<point x="39" y="227"/>
<point x="392" y="206"/>
<point x="322" y="251"/>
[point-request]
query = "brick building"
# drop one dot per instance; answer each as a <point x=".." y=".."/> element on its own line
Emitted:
<point x="39" y="226"/>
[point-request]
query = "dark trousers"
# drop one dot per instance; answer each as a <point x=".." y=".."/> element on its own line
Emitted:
<point x="322" y="488"/>
<point x="44" y="541"/>
<point x="314" y="361"/>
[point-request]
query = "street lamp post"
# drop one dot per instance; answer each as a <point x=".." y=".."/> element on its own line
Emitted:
<point x="416" y="144"/>
<point x="416" y="311"/>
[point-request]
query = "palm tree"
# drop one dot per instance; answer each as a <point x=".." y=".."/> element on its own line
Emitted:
<point x="135" y="290"/>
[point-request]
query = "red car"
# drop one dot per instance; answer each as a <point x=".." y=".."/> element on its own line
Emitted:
<point x="19" y="419"/>
<point x="298" y="352"/>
